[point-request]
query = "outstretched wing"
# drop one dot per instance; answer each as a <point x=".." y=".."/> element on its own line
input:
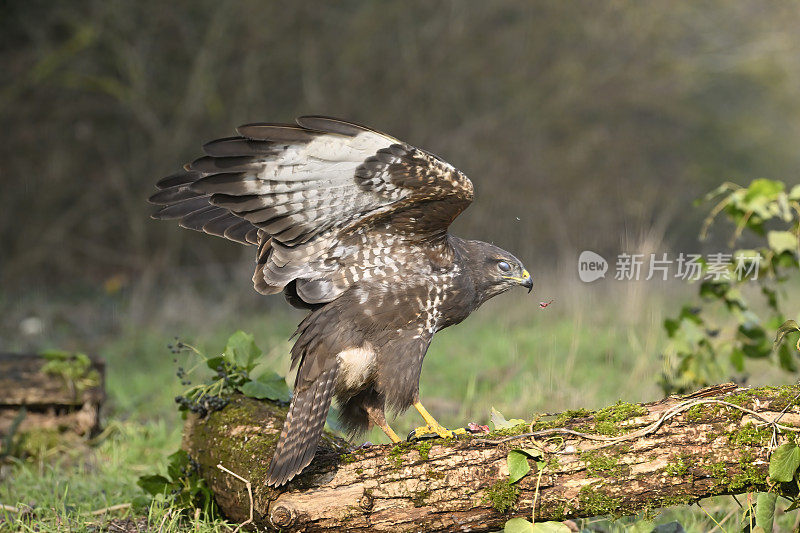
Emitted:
<point x="327" y="202"/>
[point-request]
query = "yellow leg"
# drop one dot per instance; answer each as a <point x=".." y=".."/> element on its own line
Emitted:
<point x="434" y="426"/>
<point x="389" y="432"/>
<point x="378" y="418"/>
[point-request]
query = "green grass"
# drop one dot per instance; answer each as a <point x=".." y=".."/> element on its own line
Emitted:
<point x="591" y="347"/>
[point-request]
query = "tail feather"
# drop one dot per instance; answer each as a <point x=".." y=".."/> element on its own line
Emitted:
<point x="302" y="429"/>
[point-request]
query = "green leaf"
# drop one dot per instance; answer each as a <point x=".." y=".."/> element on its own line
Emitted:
<point x="177" y="461"/>
<point x="154" y="485"/>
<point x="763" y="188"/>
<point x="784" y="462"/>
<point x="794" y="194"/>
<point x="215" y="362"/>
<point x="641" y="526"/>
<point x="737" y="359"/>
<point x="533" y="453"/>
<point x="787" y="327"/>
<point x="242" y="350"/>
<point x="141" y="503"/>
<point x="518" y="525"/>
<point x="782" y="241"/>
<point x="765" y="510"/>
<point x="786" y="359"/>
<point x="518" y="466"/>
<point x="500" y="421"/>
<point x="550" y="527"/>
<point x="268" y="386"/>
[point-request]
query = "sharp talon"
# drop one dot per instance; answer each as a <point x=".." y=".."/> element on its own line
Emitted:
<point x="423" y="432"/>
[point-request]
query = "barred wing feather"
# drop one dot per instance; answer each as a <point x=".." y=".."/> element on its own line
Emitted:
<point x="324" y="200"/>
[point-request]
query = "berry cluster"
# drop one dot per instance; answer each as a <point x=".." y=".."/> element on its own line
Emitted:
<point x="176" y="347"/>
<point x="181" y="373"/>
<point x="203" y="405"/>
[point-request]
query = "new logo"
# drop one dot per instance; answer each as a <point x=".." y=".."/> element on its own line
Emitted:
<point x="591" y="266"/>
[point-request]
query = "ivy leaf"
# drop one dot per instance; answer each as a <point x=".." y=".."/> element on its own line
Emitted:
<point x="518" y="466"/>
<point x="782" y="241"/>
<point x="550" y="527"/>
<point x="242" y="350"/>
<point x="784" y="462"/>
<point x="642" y="526"/>
<point x="154" y="485"/>
<point x="786" y="328"/>
<point x="518" y="525"/>
<point x="177" y="461"/>
<point x="533" y="453"/>
<point x="500" y="421"/>
<point x="765" y="510"/>
<point x="215" y="362"/>
<point x="267" y="386"/>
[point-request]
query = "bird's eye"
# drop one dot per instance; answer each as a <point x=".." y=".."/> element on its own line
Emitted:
<point x="504" y="266"/>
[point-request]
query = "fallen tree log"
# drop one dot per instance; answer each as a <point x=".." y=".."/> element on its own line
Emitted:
<point x="615" y="461"/>
<point x="58" y="391"/>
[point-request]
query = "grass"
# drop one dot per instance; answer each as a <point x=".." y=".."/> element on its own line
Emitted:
<point x="594" y="345"/>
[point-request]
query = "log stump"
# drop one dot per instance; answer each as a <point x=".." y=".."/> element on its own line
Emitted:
<point x="58" y="392"/>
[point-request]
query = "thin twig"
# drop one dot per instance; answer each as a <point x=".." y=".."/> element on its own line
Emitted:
<point x="249" y="495"/>
<point x="653" y="427"/>
<point x="712" y="518"/>
<point x="104" y="510"/>
<point x="8" y="508"/>
<point x="536" y="496"/>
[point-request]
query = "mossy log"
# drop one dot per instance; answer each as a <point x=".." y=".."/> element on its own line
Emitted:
<point x="39" y="393"/>
<point x="703" y="450"/>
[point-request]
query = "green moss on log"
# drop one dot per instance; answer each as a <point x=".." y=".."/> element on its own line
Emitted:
<point x="595" y="502"/>
<point x="599" y="464"/>
<point x="502" y="495"/>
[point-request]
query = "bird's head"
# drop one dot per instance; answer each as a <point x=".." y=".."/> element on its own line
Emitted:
<point x="493" y="270"/>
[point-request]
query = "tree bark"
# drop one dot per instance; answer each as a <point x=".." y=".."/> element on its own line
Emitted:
<point x="631" y="462"/>
<point x="65" y="397"/>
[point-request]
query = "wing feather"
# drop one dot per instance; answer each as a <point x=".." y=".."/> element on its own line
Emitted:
<point x="317" y="197"/>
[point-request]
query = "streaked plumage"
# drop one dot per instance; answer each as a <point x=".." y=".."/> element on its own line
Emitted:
<point x="351" y="224"/>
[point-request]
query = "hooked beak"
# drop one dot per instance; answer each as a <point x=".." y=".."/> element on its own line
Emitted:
<point x="527" y="281"/>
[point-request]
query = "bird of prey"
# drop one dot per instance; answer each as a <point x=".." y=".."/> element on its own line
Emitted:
<point x="351" y="224"/>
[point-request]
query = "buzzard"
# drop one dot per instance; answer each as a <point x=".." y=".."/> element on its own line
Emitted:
<point x="350" y="224"/>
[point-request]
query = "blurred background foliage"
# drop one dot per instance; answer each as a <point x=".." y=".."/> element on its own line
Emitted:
<point x="583" y="124"/>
